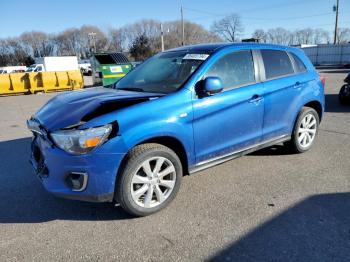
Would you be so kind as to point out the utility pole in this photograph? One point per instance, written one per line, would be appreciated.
(162, 36)
(92, 36)
(336, 9)
(183, 27)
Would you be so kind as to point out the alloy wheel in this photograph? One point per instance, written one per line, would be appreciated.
(153, 182)
(307, 130)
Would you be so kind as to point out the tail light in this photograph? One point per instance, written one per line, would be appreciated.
(323, 80)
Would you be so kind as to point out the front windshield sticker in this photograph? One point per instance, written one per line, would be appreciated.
(196, 56)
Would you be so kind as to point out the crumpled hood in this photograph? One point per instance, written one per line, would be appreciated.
(71, 108)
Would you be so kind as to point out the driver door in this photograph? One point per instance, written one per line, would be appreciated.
(231, 120)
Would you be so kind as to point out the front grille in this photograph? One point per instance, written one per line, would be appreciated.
(37, 154)
(40, 161)
(38, 130)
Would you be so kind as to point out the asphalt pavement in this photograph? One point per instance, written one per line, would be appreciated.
(267, 206)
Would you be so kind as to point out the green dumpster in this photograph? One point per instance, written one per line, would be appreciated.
(109, 67)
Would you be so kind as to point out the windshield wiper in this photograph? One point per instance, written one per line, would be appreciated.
(136, 89)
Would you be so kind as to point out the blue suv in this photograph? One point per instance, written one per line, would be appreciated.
(179, 112)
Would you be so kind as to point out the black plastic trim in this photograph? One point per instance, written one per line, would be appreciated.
(87, 198)
(221, 159)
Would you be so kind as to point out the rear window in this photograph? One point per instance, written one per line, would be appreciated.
(299, 65)
(277, 63)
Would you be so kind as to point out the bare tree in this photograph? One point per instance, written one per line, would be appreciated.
(147, 28)
(343, 35)
(115, 39)
(260, 34)
(229, 27)
(194, 34)
(150, 29)
(321, 36)
(304, 36)
(14, 52)
(101, 40)
(68, 42)
(39, 44)
(278, 36)
(75, 41)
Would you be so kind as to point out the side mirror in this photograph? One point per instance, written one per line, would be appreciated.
(212, 85)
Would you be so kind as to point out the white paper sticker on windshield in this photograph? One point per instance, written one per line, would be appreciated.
(196, 56)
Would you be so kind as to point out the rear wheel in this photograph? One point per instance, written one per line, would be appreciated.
(305, 131)
(149, 180)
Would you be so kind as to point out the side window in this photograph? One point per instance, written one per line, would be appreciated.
(300, 67)
(38, 69)
(235, 69)
(277, 63)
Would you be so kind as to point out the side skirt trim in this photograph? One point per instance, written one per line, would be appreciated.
(221, 159)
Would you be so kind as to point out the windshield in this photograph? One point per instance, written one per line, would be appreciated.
(163, 73)
(31, 68)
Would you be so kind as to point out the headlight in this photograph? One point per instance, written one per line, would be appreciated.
(81, 141)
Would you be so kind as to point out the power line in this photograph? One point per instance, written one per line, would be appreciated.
(287, 18)
(273, 6)
(203, 12)
(263, 19)
(270, 19)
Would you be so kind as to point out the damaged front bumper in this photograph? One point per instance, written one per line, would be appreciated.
(61, 172)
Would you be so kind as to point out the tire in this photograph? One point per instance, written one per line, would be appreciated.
(140, 189)
(297, 144)
(344, 97)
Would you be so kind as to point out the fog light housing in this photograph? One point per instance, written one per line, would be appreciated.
(77, 181)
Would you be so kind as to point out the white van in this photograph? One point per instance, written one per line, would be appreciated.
(54, 63)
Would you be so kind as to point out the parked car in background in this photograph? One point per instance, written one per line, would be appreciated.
(344, 93)
(85, 67)
(177, 113)
(54, 63)
(12, 69)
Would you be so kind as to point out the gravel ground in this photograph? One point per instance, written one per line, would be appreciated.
(267, 206)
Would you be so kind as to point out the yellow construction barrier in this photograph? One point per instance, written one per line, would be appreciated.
(49, 80)
(15, 83)
(24, 83)
(20, 82)
(63, 80)
(5, 84)
(76, 79)
(36, 83)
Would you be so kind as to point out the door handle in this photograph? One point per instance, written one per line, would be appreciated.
(298, 85)
(255, 98)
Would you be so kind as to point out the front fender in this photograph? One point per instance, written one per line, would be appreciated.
(178, 131)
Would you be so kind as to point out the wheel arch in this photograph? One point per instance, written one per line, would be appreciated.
(317, 106)
(314, 104)
(171, 142)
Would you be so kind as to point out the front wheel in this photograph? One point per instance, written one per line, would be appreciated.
(149, 179)
(305, 131)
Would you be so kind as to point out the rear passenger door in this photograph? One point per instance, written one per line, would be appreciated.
(281, 93)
